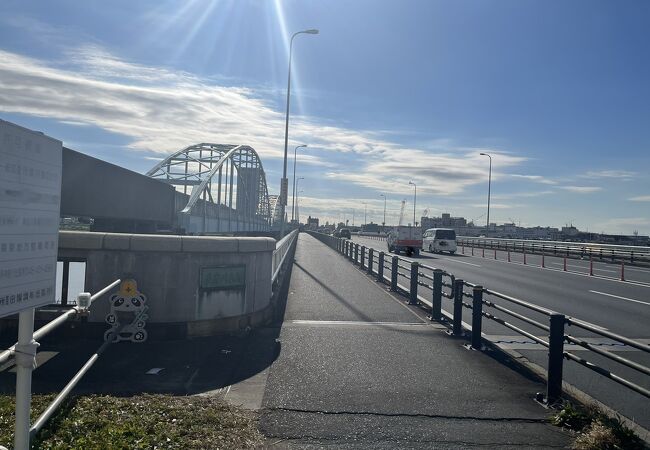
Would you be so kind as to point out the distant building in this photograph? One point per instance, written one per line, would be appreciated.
(312, 223)
(445, 221)
(370, 228)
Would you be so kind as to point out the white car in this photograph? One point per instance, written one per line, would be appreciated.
(438, 240)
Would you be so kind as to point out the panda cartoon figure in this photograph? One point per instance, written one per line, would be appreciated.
(127, 317)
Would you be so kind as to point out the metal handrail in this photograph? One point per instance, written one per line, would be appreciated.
(621, 252)
(608, 334)
(55, 323)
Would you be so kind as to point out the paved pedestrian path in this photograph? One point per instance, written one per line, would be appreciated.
(360, 369)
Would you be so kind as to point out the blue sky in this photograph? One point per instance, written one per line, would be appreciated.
(388, 92)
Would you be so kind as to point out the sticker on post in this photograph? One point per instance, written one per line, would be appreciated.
(128, 314)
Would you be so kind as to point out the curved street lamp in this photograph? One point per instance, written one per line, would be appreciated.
(487, 227)
(284, 183)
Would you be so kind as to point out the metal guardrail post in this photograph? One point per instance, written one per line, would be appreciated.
(477, 317)
(356, 253)
(457, 328)
(362, 261)
(436, 299)
(380, 268)
(413, 291)
(393, 273)
(555, 358)
(370, 261)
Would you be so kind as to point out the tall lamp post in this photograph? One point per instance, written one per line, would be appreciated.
(487, 227)
(296, 205)
(284, 184)
(415, 199)
(383, 224)
(297, 209)
(293, 201)
(365, 211)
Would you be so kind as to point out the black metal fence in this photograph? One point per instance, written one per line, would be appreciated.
(405, 276)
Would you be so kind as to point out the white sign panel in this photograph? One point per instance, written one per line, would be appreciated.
(30, 199)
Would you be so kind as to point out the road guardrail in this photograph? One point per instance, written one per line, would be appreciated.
(486, 304)
(615, 253)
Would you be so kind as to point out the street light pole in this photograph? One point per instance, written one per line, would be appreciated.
(284, 188)
(415, 199)
(365, 210)
(383, 224)
(487, 227)
(293, 201)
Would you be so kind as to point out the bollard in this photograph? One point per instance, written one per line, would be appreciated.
(436, 299)
(463, 248)
(508, 255)
(472, 249)
(543, 263)
(393, 274)
(362, 261)
(457, 329)
(477, 316)
(622, 271)
(524, 257)
(483, 253)
(591, 267)
(370, 261)
(413, 297)
(380, 268)
(555, 358)
(565, 263)
(495, 254)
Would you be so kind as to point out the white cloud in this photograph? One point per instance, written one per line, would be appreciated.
(163, 110)
(599, 174)
(582, 189)
(640, 198)
(535, 178)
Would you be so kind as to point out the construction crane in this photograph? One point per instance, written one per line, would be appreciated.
(401, 213)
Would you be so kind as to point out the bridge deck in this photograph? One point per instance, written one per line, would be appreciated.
(359, 368)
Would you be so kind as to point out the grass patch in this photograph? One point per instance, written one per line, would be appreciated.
(596, 431)
(138, 422)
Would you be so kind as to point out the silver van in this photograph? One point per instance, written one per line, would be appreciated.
(438, 240)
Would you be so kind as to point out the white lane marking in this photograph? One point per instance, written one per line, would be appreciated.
(622, 298)
(460, 262)
(355, 323)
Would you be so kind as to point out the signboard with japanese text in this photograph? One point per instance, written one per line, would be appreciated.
(223, 278)
(30, 198)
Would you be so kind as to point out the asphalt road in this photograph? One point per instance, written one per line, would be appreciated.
(360, 369)
(602, 299)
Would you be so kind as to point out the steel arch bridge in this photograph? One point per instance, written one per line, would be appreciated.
(215, 202)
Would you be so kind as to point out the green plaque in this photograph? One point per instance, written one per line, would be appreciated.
(223, 277)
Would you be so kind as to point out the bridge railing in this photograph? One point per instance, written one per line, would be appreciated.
(405, 277)
(614, 253)
(280, 253)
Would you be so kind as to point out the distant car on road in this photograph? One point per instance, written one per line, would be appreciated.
(438, 240)
(405, 239)
(345, 233)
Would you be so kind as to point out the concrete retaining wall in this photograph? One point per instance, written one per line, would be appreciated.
(167, 270)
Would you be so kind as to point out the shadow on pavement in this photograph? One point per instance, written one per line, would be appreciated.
(179, 367)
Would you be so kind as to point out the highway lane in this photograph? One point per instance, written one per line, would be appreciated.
(620, 307)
